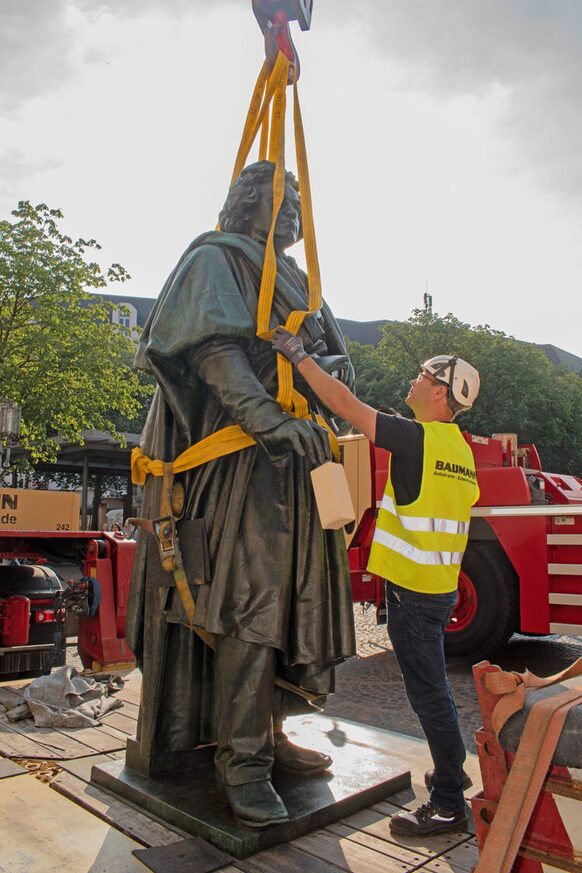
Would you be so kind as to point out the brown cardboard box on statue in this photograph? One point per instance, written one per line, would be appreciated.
(332, 495)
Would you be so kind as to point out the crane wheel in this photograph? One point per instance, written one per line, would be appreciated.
(487, 610)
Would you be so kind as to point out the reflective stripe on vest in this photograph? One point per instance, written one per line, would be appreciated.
(420, 545)
(440, 525)
(417, 555)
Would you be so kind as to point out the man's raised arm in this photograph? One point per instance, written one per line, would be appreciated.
(332, 393)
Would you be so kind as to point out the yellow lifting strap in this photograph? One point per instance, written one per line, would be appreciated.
(272, 90)
(217, 445)
(269, 96)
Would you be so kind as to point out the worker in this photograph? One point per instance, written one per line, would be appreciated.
(276, 587)
(420, 536)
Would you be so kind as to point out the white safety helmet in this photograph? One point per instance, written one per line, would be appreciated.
(461, 379)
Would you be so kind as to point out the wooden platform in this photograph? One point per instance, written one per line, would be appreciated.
(71, 824)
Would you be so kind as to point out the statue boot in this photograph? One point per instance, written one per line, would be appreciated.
(244, 675)
(288, 757)
(297, 760)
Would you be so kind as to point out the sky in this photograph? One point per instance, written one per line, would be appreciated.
(444, 141)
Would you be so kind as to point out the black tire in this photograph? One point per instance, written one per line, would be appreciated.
(494, 614)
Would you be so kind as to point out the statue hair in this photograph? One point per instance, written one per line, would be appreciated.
(244, 194)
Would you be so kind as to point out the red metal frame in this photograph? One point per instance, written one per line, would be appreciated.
(109, 559)
(524, 542)
(546, 839)
(101, 638)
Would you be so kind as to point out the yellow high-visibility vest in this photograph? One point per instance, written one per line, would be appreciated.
(420, 546)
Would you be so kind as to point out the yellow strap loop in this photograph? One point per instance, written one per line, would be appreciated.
(270, 94)
(277, 156)
(256, 115)
(224, 442)
(311, 254)
(217, 445)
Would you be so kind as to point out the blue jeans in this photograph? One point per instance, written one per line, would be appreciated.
(416, 624)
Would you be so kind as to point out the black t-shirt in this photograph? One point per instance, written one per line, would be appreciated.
(405, 439)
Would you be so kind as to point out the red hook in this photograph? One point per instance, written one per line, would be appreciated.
(274, 17)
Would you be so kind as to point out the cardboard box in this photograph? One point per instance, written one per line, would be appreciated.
(24, 509)
(332, 496)
(355, 453)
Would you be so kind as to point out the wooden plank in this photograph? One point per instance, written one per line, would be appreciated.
(99, 739)
(60, 742)
(117, 720)
(407, 856)
(347, 854)
(81, 767)
(129, 709)
(10, 768)
(131, 690)
(10, 694)
(130, 695)
(378, 825)
(14, 745)
(114, 811)
(461, 859)
(43, 832)
(112, 731)
(286, 858)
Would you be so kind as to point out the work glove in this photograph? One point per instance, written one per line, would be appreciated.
(299, 435)
(291, 347)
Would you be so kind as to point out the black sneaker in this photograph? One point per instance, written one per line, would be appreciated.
(428, 819)
(467, 781)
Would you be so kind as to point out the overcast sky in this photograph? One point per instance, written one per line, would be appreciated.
(444, 138)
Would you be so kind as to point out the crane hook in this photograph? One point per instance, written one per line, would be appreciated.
(273, 17)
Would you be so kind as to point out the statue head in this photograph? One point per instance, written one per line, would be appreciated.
(249, 206)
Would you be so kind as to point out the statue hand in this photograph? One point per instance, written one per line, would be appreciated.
(297, 435)
(291, 347)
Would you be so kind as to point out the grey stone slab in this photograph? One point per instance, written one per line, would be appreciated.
(10, 768)
(363, 773)
(81, 767)
(183, 857)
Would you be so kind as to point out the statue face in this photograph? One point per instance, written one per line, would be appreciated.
(288, 224)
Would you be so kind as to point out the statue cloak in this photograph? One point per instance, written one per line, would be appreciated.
(276, 578)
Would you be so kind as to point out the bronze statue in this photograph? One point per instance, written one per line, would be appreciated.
(276, 587)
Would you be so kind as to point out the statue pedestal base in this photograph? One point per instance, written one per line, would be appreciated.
(363, 773)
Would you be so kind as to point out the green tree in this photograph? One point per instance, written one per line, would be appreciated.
(521, 391)
(61, 358)
(376, 384)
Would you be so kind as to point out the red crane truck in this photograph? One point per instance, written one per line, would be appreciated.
(56, 579)
(522, 570)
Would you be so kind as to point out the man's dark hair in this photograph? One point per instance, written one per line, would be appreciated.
(235, 215)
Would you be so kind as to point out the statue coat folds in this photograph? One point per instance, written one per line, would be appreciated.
(276, 578)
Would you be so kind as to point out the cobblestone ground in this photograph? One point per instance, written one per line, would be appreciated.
(369, 687)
